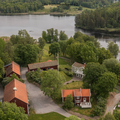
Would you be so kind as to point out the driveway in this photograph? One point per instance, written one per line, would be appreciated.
(41, 103)
(1, 92)
(111, 102)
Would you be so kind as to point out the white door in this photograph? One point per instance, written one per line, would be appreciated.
(84, 99)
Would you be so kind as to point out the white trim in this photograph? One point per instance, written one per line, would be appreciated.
(84, 99)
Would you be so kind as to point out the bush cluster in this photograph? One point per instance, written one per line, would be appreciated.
(100, 107)
(34, 76)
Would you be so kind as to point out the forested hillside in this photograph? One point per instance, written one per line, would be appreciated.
(22, 6)
(106, 17)
(19, 6)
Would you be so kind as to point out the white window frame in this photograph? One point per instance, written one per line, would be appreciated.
(77, 101)
(77, 97)
(84, 99)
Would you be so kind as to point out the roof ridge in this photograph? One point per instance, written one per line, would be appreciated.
(14, 86)
(15, 63)
(42, 62)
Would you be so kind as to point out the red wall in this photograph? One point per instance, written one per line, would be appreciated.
(12, 73)
(75, 98)
(54, 67)
(87, 99)
(20, 103)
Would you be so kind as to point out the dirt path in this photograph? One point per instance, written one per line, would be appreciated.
(111, 102)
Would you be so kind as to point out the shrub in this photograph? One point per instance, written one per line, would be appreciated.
(68, 73)
(116, 114)
(34, 76)
(68, 104)
(6, 80)
(100, 107)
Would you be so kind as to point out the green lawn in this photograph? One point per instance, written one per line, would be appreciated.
(83, 111)
(46, 47)
(73, 85)
(67, 78)
(46, 57)
(47, 116)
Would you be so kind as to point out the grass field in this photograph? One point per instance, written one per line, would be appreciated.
(72, 11)
(67, 78)
(46, 47)
(73, 85)
(47, 116)
(86, 111)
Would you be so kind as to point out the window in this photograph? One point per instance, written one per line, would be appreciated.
(77, 97)
(84, 99)
(77, 101)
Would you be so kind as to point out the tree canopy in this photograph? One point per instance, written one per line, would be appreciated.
(113, 48)
(51, 83)
(110, 64)
(68, 103)
(92, 73)
(10, 111)
(54, 49)
(1, 68)
(106, 17)
(25, 54)
(106, 83)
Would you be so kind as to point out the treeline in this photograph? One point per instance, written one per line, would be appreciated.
(85, 3)
(21, 6)
(107, 17)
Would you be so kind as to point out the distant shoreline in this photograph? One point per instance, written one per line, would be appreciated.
(41, 13)
(115, 32)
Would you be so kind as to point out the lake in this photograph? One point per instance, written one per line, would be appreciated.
(35, 24)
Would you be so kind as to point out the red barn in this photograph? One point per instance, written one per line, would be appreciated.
(12, 68)
(43, 65)
(16, 92)
(81, 97)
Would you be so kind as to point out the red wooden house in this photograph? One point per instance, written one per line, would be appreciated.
(16, 92)
(12, 68)
(43, 65)
(81, 97)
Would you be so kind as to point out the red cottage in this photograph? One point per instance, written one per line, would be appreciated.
(81, 97)
(43, 65)
(12, 68)
(15, 92)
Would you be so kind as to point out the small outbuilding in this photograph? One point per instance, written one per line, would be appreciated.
(16, 92)
(43, 65)
(12, 68)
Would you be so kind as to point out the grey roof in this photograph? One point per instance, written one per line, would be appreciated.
(43, 64)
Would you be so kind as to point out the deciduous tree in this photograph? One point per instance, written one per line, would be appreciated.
(63, 36)
(54, 49)
(103, 54)
(110, 64)
(41, 43)
(114, 49)
(10, 111)
(106, 83)
(68, 102)
(93, 71)
(51, 83)
(25, 54)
